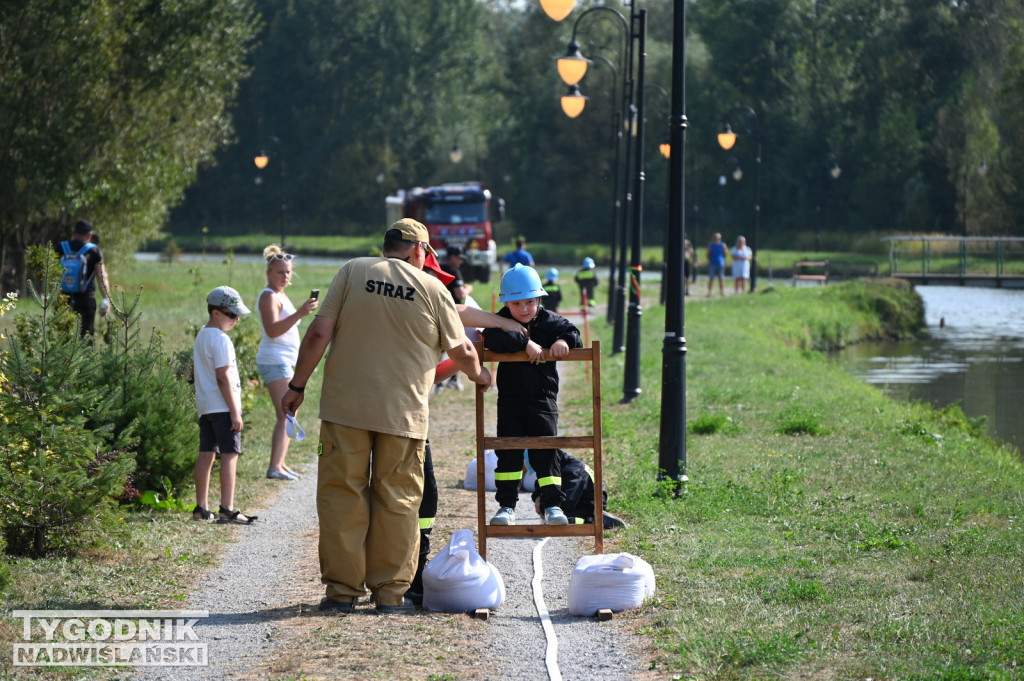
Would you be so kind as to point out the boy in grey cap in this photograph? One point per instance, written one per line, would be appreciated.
(219, 403)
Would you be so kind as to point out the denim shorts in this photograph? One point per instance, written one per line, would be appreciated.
(274, 372)
(715, 270)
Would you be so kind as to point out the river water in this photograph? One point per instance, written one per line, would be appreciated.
(972, 353)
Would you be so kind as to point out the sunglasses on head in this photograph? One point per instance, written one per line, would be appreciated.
(229, 314)
(280, 256)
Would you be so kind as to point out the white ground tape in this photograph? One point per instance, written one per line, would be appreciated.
(551, 656)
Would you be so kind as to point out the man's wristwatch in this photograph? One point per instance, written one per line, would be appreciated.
(296, 388)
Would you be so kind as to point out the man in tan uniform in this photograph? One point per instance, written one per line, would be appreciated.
(386, 322)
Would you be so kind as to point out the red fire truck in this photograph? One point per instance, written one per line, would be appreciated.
(456, 214)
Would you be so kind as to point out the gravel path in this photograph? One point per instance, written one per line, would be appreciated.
(246, 594)
(587, 649)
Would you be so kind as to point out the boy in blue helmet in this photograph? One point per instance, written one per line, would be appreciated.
(553, 290)
(528, 392)
(586, 279)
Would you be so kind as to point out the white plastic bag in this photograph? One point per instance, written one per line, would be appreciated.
(457, 579)
(616, 581)
(490, 463)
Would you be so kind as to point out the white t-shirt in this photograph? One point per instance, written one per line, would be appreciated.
(212, 350)
(285, 348)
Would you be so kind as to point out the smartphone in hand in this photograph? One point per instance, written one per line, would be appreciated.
(314, 294)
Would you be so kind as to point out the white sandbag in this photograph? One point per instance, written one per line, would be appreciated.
(529, 480)
(457, 579)
(490, 463)
(616, 581)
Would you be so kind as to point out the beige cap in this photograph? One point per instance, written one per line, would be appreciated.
(413, 231)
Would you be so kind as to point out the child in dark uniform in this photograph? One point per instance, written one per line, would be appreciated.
(528, 392)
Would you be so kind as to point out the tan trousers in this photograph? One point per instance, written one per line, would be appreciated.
(368, 498)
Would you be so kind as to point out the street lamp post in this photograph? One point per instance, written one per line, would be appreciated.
(631, 382)
(726, 139)
(672, 434)
(261, 162)
(572, 68)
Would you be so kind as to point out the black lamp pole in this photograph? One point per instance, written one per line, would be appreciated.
(617, 294)
(631, 382)
(672, 443)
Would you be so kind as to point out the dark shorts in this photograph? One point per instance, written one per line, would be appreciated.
(215, 434)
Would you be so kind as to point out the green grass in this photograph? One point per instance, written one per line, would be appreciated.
(829, 532)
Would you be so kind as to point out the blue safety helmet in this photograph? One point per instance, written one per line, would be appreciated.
(520, 283)
(588, 263)
(551, 274)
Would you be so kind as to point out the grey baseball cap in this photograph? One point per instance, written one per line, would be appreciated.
(225, 296)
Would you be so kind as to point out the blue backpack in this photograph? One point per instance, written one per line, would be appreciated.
(74, 279)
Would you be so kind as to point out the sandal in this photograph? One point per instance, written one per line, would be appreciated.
(200, 513)
(232, 517)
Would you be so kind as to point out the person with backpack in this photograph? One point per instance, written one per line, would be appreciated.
(82, 263)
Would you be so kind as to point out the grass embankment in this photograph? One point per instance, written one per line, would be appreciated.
(826, 531)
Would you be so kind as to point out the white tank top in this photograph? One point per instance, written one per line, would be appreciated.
(285, 348)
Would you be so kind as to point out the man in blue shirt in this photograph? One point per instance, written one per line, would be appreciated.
(520, 256)
(716, 263)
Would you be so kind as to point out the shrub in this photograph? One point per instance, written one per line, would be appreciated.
(59, 467)
(156, 401)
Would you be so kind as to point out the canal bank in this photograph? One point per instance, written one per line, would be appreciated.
(971, 353)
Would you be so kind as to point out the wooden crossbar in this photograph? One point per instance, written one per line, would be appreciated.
(592, 441)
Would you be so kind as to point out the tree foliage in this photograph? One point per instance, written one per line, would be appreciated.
(107, 108)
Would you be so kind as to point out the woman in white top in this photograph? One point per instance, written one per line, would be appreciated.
(279, 348)
(741, 255)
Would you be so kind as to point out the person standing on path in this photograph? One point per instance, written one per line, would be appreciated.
(586, 279)
(219, 403)
(554, 290)
(386, 322)
(279, 348)
(716, 263)
(80, 286)
(741, 255)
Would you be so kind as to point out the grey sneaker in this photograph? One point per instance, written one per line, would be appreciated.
(278, 475)
(553, 515)
(406, 607)
(505, 516)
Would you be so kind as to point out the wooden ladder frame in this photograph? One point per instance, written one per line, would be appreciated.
(592, 441)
